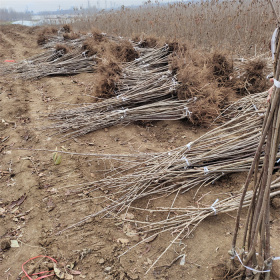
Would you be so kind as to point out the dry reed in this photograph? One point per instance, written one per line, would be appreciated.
(242, 27)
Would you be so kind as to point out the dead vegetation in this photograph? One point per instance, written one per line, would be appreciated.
(106, 81)
(110, 66)
(70, 36)
(253, 78)
(200, 76)
(239, 27)
(144, 41)
(110, 56)
(46, 34)
(67, 28)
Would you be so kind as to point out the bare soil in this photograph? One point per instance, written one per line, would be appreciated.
(32, 213)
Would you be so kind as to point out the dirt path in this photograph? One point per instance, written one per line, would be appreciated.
(32, 212)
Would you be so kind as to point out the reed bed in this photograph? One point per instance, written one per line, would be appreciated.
(239, 27)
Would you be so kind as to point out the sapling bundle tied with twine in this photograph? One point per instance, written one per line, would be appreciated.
(251, 256)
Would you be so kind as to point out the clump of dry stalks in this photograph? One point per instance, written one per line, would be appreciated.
(107, 77)
(200, 75)
(70, 36)
(144, 41)
(48, 34)
(252, 77)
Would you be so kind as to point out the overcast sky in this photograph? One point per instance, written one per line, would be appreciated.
(52, 5)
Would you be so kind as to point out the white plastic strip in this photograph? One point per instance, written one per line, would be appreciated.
(187, 162)
(276, 83)
(255, 107)
(273, 42)
(206, 170)
(122, 112)
(187, 112)
(174, 85)
(189, 145)
(121, 97)
(252, 269)
(183, 260)
(212, 206)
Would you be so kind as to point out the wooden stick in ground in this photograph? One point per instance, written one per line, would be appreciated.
(256, 240)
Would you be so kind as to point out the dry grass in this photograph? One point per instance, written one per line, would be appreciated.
(236, 26)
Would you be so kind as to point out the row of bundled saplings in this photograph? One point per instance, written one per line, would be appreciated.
(214, 78)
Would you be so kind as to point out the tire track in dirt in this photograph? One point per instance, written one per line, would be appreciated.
(32, 173)
(16, 44)
(21, 179)
(21, 170)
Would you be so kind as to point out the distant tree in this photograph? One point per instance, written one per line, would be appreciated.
(12, 15)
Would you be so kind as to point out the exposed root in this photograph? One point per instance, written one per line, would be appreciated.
(45, 35)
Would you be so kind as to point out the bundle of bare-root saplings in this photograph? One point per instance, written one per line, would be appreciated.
(171, 82)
